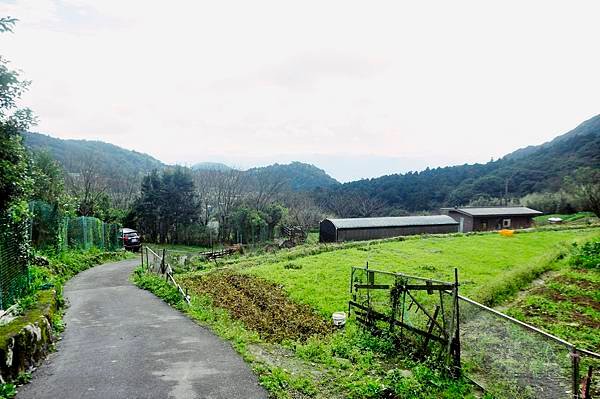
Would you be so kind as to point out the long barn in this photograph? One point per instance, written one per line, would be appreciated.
(359, 229)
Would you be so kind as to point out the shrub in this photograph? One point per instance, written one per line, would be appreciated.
(587, 256)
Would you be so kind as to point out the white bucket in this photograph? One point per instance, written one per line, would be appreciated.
(339, 318)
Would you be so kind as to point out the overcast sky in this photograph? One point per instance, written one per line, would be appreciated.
(359, 88)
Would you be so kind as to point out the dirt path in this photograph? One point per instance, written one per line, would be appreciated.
(123, 342)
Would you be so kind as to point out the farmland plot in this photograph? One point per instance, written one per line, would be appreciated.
(348, 362)
(491, 267)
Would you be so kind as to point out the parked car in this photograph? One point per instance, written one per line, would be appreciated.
(131, 239)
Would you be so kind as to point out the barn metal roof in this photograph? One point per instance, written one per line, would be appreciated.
(497, 211)
(401, 221)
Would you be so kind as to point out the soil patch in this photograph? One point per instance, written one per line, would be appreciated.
(585, 284)
(261, 305)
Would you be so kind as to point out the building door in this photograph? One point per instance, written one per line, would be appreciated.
(461, 227)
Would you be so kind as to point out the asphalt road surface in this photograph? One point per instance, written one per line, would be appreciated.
(123, 342)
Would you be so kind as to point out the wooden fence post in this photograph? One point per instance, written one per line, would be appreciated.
(457, 364)
(575, 365)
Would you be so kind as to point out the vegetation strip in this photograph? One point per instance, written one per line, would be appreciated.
(347, 363)
(26, 340)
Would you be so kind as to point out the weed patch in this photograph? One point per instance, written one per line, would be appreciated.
(261, 305)
(587, 256)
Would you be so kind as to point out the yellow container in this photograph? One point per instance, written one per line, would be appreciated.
(506, 233)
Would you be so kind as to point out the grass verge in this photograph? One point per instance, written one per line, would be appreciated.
(347, 363)
(46, 280)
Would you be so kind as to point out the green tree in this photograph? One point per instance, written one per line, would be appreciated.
(15, 182)
(273, 215)
(248, 224)
(586, 186)
(48, 179)
(167, 207)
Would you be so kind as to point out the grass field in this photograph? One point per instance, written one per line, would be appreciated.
(349, 362)
(575, 218)
(491, 267)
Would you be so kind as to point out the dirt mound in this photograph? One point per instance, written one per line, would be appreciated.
(262, 306)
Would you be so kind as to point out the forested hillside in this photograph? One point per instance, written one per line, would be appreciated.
(110, 158)
(299, 176)
(101, 173)
(534, 169)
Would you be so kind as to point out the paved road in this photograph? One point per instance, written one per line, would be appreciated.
(123, 342)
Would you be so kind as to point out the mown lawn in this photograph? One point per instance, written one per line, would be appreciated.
(491, 267)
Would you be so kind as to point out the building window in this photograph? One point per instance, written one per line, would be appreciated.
(505, 222)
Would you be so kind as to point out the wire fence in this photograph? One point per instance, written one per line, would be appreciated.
(14, 273)
(511, 359)
(157, 263)
(507, 358)
(48, 229)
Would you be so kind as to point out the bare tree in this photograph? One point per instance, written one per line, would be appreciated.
(368, 206)
(227, 192)
(303, 211)
(347, 205)
(87, 185)
(265, 188)
(205, 188)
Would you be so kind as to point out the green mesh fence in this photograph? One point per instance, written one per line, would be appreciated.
(48, 229)
(51, 230)
(46, 225)
(14, 274)
(86, 232)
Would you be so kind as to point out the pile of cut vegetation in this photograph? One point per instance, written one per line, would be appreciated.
(261, 305)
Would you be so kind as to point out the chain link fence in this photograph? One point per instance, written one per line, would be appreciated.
(51, 230)
(14, 252)
(47, 230)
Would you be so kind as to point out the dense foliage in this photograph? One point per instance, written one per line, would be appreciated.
(587, 256)
(167, 205)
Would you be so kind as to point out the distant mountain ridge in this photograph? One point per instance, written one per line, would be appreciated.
(118, 164)
(590, 126)
(111, 159)
(527, 170)
(300, 176)
(211, 166)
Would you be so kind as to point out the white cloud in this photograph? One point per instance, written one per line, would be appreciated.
(193, 80)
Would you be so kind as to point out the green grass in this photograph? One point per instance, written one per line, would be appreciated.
(574, 218)
(349, 363)
(566, 306)
(491, 267)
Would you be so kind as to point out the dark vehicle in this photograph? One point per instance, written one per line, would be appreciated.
(131, 239)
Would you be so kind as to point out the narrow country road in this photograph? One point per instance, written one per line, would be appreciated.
(123, 342)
